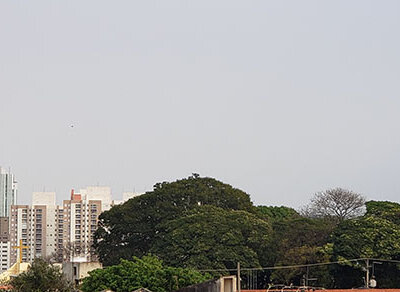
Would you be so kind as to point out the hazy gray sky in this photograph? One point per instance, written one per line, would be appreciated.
(278, 98)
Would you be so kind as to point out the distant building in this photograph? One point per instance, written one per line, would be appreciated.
(4, 244)
(8, 192)
(81, 214)
(52, 222)
(97, 193)
(64, 233)
(40, 227)
(44, 198)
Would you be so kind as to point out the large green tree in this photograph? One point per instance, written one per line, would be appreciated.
(147, 272)
(212, 237)
(130, 229)
(375, 235)
(41, 276)
(298, 241)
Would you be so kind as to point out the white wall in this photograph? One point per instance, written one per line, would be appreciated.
(98, 193)
(44, 198)
(129, 195)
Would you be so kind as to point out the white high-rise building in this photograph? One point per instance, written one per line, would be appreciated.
(40, 227)
(81, 215)
(8, 192)
(63, 233)
(96, 193)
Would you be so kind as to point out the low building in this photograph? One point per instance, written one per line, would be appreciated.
(223, 284)
(76, 271)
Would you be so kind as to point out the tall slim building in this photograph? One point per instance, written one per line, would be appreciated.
(8, 192)
(81, 214)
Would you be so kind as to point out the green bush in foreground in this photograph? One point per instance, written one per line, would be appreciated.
(147, 272)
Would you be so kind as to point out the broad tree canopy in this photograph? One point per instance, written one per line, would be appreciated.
(130, 229)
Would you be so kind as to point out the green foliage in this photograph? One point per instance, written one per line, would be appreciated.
(130, 229)
(147, 272)
(297, 232)
(211, 237)
(41, 276)
(368, 236)
(300, 256)
(365, 237)
(298, 241)
(386, 210)
(203, 223)
(277, 213)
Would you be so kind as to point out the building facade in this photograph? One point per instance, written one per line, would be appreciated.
(8, 192)
(5, 245)
(81, 215)
(62, 233)
(38, 228)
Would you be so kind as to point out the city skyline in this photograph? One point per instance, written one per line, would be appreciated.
(60, 196)
(125, 194)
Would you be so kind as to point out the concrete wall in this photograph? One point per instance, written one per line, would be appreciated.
(102, 194)
(77, 271)
(44, 198)
(223, 284)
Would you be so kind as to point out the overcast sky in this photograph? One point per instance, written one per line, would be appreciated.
(278, 98)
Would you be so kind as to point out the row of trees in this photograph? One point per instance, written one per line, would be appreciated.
(201, 223)
(160, 239)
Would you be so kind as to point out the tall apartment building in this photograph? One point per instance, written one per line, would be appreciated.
(81, 214)
(5, 245)
(38, 226)
(8, 192)
(64, 233)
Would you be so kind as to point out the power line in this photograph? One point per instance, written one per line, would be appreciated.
(301, 266)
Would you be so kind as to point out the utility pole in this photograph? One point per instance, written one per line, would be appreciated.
(307, 274)
(367, 273)
(238, 277)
